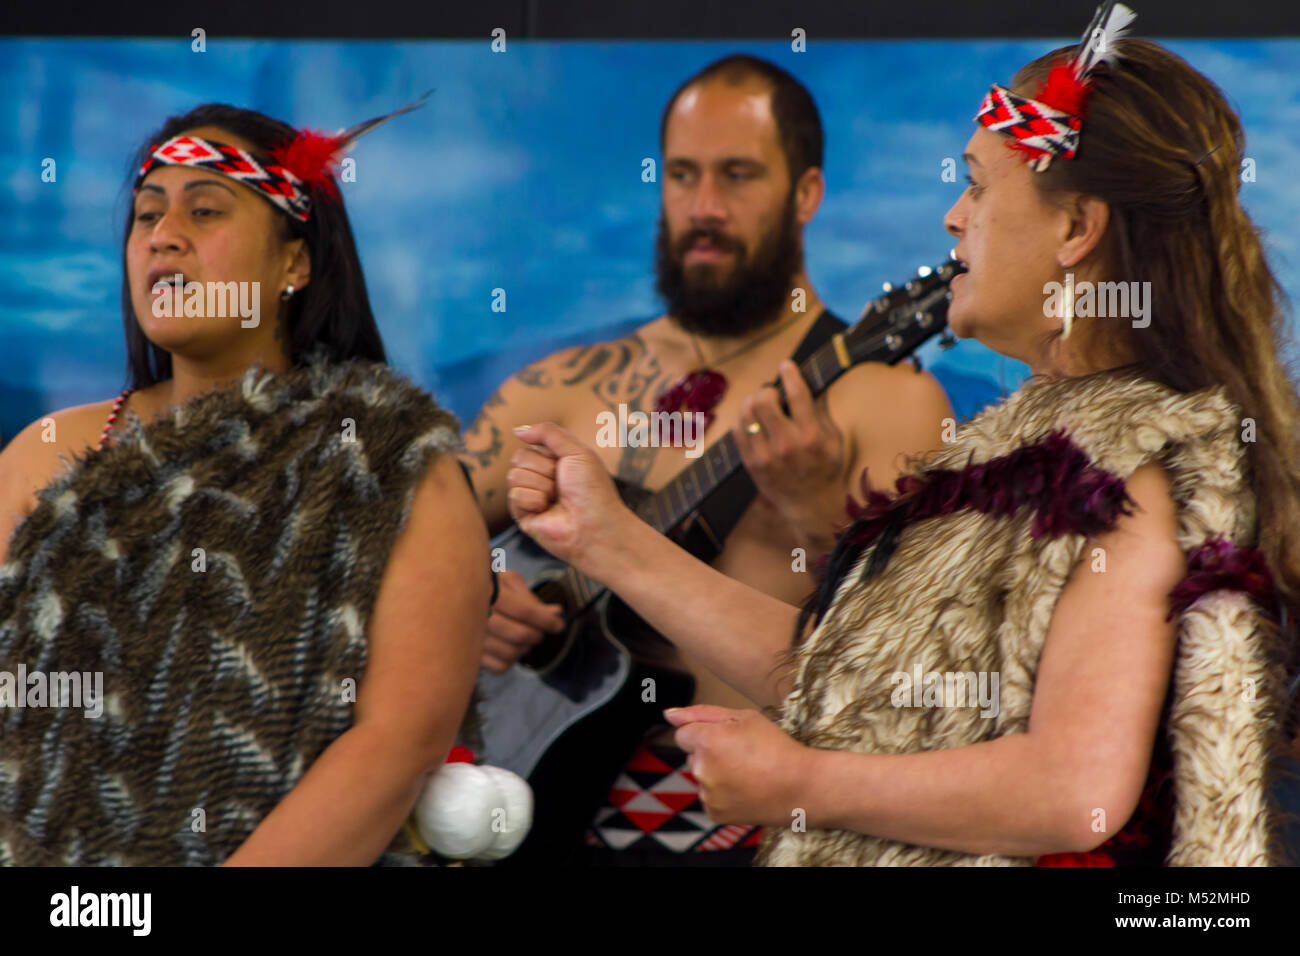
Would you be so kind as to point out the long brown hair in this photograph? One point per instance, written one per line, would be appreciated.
(1163, 148)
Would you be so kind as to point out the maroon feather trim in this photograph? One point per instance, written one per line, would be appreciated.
(1220, 564)
(1052, 476)
(1068, 494)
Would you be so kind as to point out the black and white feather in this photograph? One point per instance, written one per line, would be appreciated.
(1110, 23)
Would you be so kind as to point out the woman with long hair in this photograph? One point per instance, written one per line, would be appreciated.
(1063, 640)
(246, 598)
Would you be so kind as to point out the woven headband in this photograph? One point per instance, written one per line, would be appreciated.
(1038, 128)
(288, 176)
(1049, 123)
(263, 174)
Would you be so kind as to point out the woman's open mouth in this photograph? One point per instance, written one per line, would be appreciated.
(164, 280)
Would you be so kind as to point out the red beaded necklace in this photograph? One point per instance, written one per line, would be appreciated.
(108, 425)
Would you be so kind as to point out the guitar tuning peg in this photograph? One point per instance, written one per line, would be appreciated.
(887, 286)
(923, 271)
(946, 339)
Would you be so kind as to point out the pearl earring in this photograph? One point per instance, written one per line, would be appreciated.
(287, 293)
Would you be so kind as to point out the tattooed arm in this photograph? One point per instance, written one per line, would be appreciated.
(600, 376)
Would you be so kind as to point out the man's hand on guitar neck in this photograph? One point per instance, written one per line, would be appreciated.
(869, 425)
(799, 460)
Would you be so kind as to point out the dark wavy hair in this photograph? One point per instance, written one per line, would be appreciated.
(332, 312)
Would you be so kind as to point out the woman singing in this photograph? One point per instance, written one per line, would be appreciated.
(1059, 641)
(261, 562)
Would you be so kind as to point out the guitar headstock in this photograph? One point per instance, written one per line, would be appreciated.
(895, 323)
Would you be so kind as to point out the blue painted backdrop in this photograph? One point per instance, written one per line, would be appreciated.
(523, 172)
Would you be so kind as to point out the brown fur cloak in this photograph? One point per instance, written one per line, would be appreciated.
(999, 518)
(218, 567)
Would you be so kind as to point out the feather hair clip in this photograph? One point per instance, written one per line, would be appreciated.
(1048, 124)
(313, 157)
(288, 176)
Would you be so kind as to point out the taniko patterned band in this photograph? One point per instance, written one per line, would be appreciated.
(262, 174)
(1035, 125)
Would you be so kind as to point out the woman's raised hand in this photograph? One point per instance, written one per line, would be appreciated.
(562, 497)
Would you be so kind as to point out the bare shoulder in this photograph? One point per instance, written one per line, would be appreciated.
(546, 388)
(64, 433)
(589, 366)
(1144, 543)
(443, 509)
(874, 397)
(39, 452)
(1152, 489)
(563, 387)
(1154, 519)
(893, 382)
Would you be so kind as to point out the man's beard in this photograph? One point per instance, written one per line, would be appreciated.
(751, 297)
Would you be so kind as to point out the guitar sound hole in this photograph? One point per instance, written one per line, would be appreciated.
(551, 647)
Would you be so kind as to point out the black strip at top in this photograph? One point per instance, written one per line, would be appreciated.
(658, 19)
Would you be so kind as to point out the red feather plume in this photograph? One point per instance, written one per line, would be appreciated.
(1063, 91)
(313, 158)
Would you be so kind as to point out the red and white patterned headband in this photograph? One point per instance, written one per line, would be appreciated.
(264, 174)
(286, 177)
(1038, 128)
(1049, 123)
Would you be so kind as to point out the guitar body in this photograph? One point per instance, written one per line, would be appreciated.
(571, 714)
